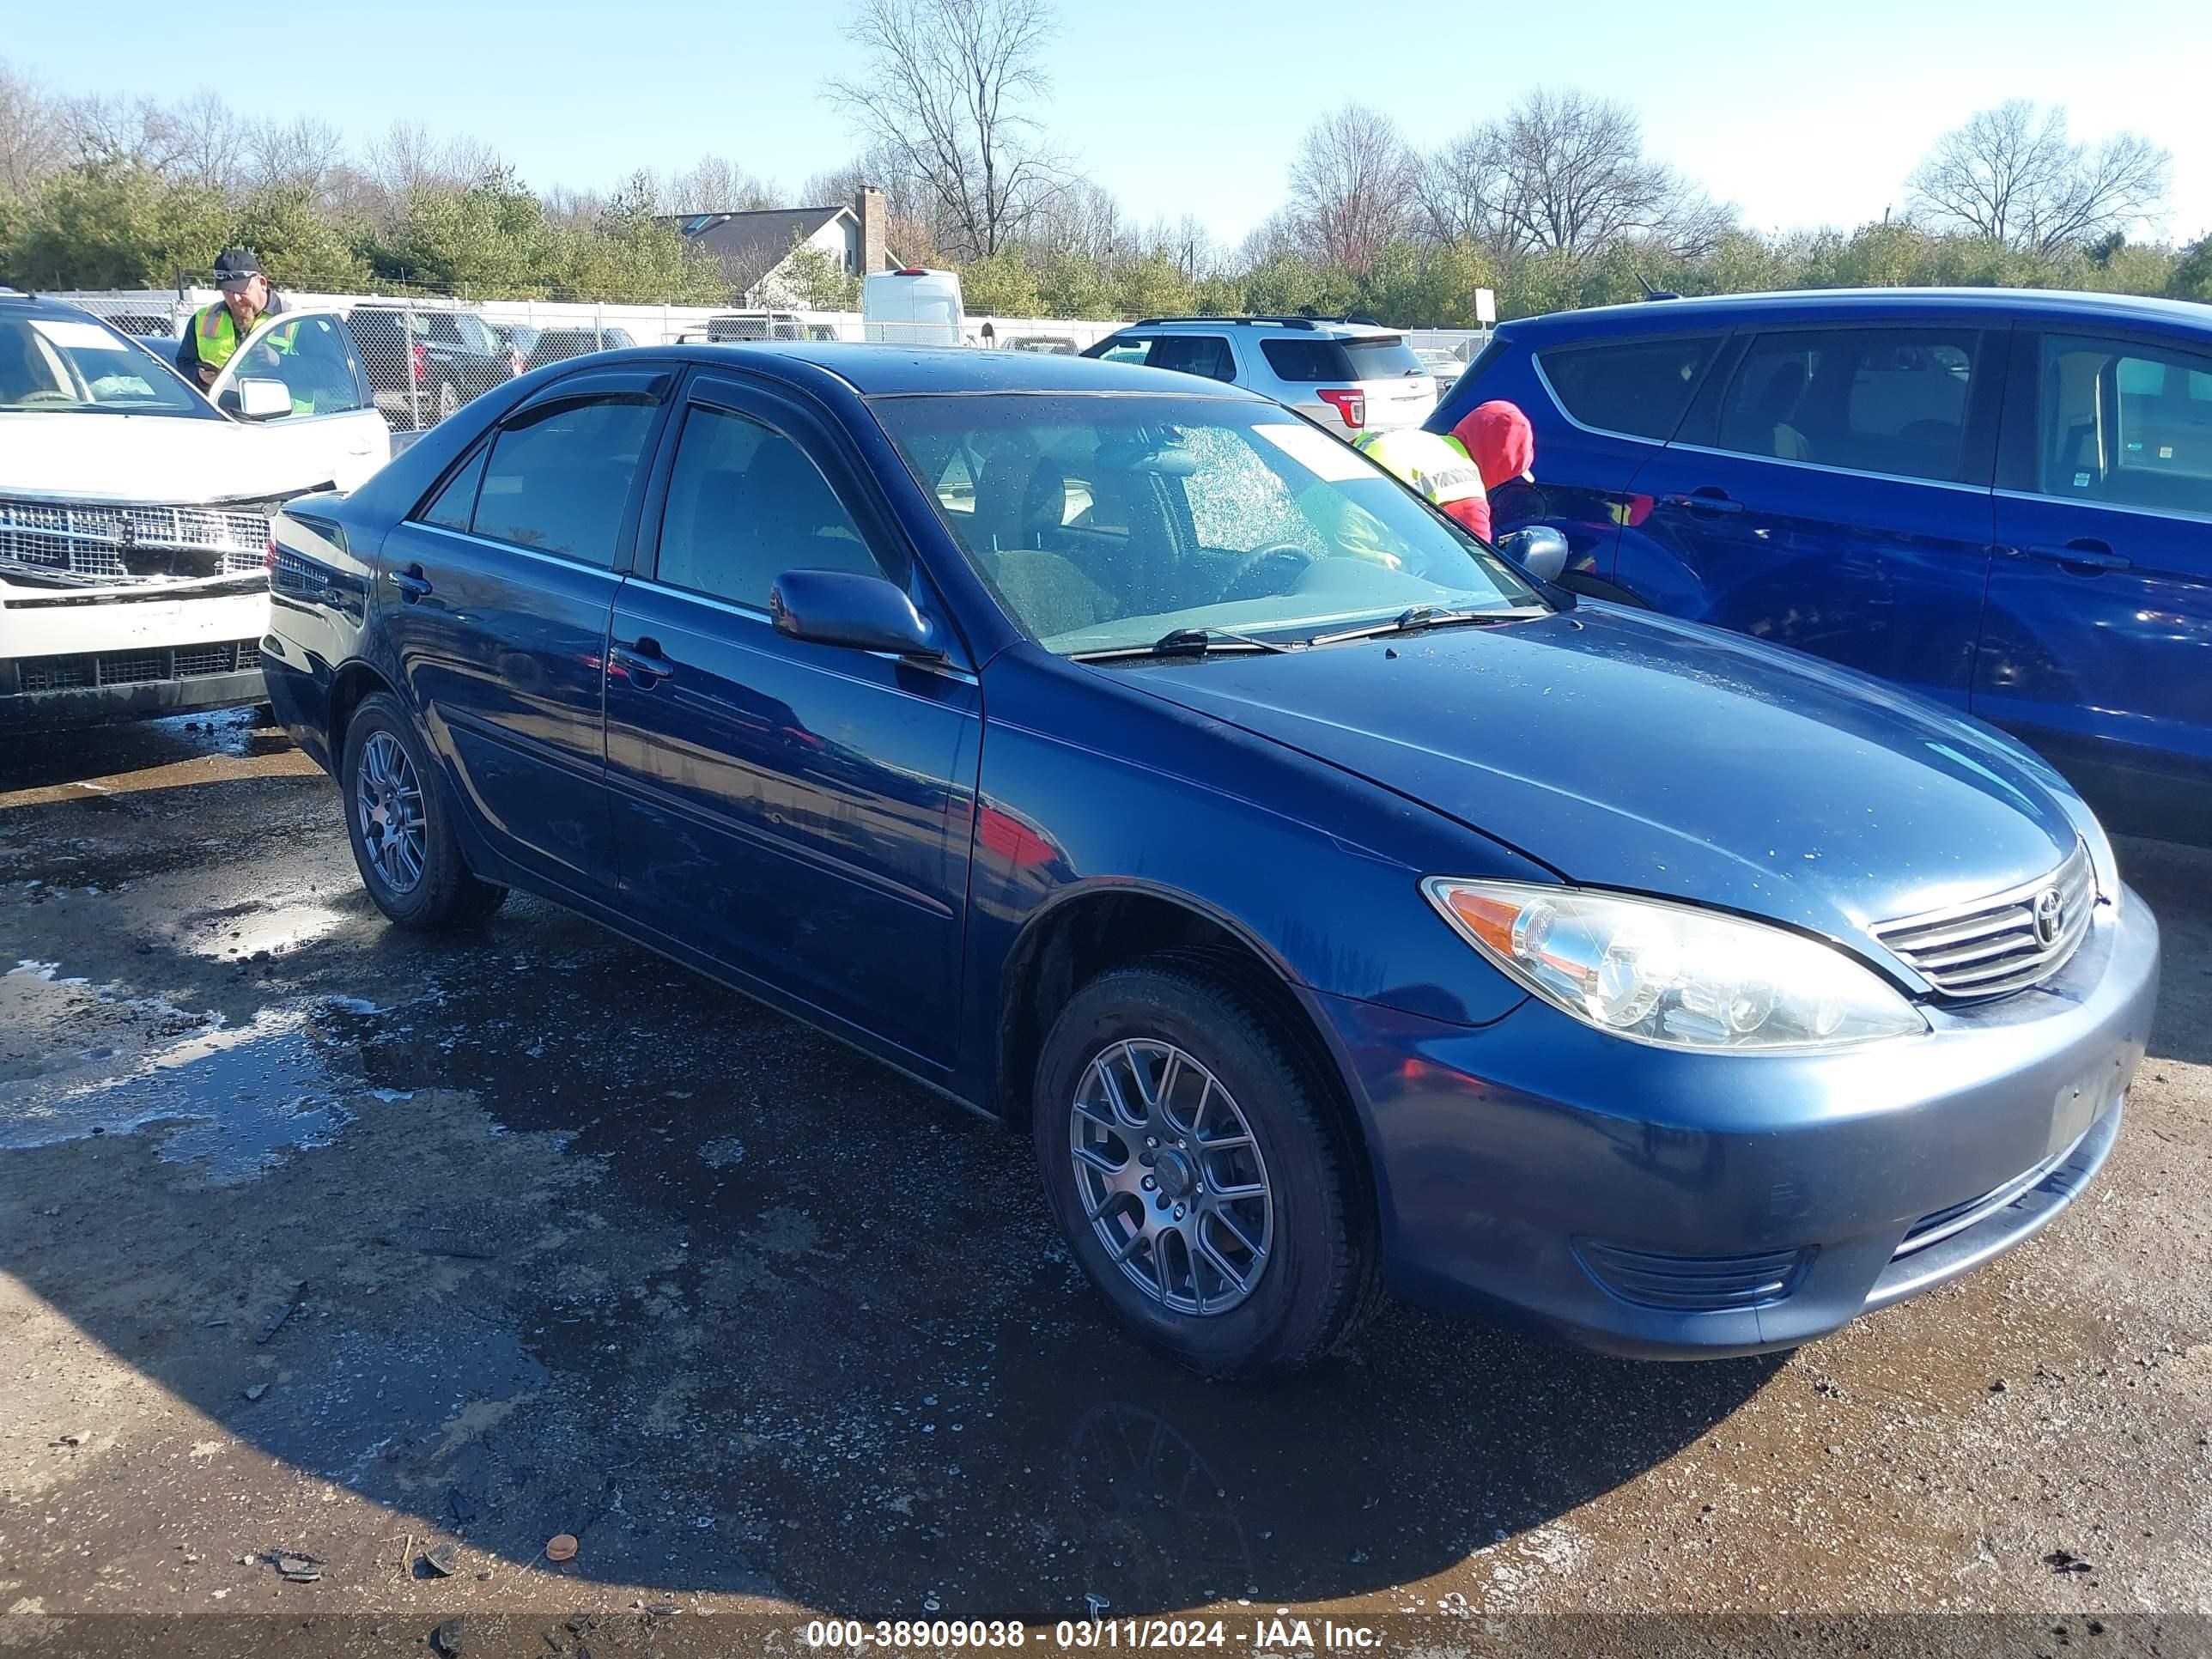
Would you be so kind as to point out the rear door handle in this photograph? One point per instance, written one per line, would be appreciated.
(2083, 557)
(1704, 500)
(412, 584)
(642, 661)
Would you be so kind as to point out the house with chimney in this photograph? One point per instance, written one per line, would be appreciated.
(754, 249)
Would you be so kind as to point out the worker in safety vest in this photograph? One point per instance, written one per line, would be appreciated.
(217, 330)
(1437, 468)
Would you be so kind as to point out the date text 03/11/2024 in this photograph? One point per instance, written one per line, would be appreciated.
(1077, 1635)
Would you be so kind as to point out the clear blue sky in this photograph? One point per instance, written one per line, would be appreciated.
(1801, 114)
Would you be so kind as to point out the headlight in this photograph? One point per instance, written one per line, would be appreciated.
(1672, 974)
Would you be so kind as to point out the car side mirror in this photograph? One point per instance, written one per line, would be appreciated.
(861, 613)
(262, 400)
(1537, 548)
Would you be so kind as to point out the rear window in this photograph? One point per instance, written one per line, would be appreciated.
(1639, 387)
(1313, 362)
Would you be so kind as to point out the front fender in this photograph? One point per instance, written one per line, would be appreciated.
(1317, 871)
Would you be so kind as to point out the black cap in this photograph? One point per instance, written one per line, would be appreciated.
(234, 262)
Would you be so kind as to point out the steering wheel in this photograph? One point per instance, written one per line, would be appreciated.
(33, 399)
(1259, 559)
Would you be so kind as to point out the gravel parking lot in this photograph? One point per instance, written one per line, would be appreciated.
(317, 1238)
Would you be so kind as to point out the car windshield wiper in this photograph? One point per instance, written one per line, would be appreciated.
(1431, 615)
(1184, 642)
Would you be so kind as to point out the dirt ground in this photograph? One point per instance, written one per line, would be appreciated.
(316, 1238)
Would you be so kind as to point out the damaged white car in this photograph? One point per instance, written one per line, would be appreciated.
(134, 509)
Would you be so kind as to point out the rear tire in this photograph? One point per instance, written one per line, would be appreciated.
(399, 822)
(449, 400)
(1247, 1285)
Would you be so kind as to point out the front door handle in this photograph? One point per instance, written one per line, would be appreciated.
(2084, 558)
(1704, 500)
(412, 584)
(642, 662)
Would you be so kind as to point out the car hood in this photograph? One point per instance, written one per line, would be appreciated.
(166, 459)
(1631, 752)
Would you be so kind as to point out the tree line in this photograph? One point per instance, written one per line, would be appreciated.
(1554, 203)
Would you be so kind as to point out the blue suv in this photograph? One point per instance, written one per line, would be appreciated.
(2000, 500)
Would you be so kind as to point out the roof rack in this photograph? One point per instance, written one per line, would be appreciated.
(1280, 322)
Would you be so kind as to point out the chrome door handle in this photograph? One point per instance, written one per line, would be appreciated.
(642, 661)
(2084, 558)
(1703, 500)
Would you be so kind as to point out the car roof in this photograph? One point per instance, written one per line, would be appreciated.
(1844, 304)
(13, 304)
(884, 370)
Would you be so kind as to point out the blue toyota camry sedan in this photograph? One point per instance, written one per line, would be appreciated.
(1335, 904)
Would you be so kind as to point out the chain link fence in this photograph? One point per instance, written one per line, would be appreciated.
(428, 356)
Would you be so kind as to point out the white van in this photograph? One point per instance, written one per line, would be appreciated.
(913, 307)
(134, 510)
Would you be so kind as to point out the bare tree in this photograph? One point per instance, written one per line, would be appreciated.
(1573, 177)
(2015, 175)
(32, 141)
(1461, 187)
(1353, 187)
(408, 158)
(947, 92)
(1083, 220)
(304, 155)
(714, 183)
(206, 141)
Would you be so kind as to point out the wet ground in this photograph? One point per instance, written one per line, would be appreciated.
(317, 1237)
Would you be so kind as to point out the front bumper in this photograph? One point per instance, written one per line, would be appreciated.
(83, 656)
(1669, 1205)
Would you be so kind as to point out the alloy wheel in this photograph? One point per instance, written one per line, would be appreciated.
(388, 807)
(1171, 1176)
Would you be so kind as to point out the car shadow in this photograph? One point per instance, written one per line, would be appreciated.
(2176, 882)
(528, 1231)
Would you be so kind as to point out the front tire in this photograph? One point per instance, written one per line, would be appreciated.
(1200, 1176)
(400, 825)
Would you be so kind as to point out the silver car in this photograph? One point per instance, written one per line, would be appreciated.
(1347, 374)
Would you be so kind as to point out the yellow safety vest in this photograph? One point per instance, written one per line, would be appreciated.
(1438, 467)
(215, 334)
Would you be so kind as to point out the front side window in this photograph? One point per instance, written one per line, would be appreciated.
(1106, 522)
(312, 358)
(1124, 349)
(57, 365)
(745, 504)
(1640, 388)
(2125, 423)
(560, 474)
(1888, 400)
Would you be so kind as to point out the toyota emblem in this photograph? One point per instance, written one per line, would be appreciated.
(2049, 917)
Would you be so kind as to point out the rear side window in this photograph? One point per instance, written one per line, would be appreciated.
(2125, 422)
(745, 504)
(1321, 361)
(454, 508)
(1639, 388)
(1194, 354)
(1890, 400)
(560, 475)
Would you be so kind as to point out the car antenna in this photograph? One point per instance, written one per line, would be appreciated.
(1651, 292)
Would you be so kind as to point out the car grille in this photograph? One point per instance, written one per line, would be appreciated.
(90, 541)
(95, 668)
(1693, 1284)
(1940, 1225)
(1993, 946)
